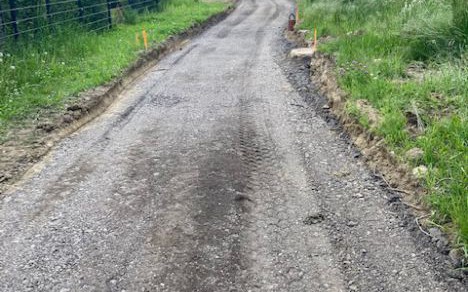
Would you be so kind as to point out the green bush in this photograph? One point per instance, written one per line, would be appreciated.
(460, 17)
(130, 16)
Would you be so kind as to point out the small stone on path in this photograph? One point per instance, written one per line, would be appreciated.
(301, 53)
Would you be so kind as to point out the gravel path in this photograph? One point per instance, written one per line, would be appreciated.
(207, 176)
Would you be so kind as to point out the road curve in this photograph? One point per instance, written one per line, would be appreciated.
(207, 176)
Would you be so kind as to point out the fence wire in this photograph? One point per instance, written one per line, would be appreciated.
(20, 17)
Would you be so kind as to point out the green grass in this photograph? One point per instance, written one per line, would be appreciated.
(408, 57)
(40, 74)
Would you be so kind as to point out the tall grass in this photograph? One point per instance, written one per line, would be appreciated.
(40, 73)
(403, 55)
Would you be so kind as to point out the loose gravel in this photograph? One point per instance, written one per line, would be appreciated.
(212, 173)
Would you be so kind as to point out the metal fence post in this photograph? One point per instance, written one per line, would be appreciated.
(154, 5)
(109, 16)
(80, 10)
(14, 22)
(47, 5)
(2, 27)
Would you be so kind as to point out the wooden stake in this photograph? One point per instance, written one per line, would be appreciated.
(145, 39)
(297, 14)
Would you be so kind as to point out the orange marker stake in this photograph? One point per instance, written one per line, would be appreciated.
(145, 39)
(297, 14)
(315, 38)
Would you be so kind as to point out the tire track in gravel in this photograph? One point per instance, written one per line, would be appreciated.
(234, 174)
(220, 176)
(256, 146)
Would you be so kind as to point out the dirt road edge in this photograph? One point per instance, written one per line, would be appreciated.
(378, 156)
(29, 143)
(395, 172)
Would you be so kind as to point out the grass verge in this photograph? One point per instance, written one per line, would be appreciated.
(408, 59)
(42, 73)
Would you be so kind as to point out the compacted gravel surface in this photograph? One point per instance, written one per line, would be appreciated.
(212, 174)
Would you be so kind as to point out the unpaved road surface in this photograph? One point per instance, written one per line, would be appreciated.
(208, 176)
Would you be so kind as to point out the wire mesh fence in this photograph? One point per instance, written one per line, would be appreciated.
(28, 18)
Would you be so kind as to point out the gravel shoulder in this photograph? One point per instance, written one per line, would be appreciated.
(213, 173)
